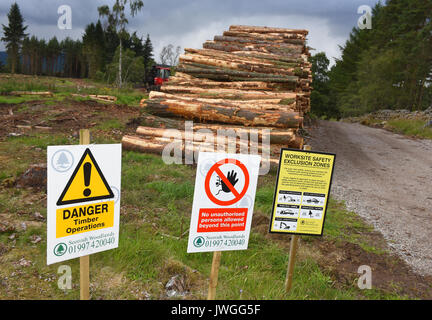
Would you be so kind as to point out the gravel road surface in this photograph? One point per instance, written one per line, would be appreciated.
(386, 178)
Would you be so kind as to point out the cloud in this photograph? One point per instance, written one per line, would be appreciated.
(320, 36)
(189, 23)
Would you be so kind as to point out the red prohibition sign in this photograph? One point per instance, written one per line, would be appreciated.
(215, 168)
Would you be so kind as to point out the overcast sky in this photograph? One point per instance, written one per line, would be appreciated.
(189, 23)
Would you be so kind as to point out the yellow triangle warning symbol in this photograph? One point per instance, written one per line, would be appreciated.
(87, 183)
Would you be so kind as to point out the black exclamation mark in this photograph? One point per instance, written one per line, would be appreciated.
(87, 175)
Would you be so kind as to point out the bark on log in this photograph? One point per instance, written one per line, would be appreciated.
(266, 29)
(283, 49)
(103, 98)
(254, 58)
(240, 103)
(230, 47)
(239, 85)
(276, 136)
(301, 59)
(210, 84)
(228, 74)
(228, 93)
(231, 104)
(285, 137)
(233, 115)
(217, 143)
(233, 64)
(265, 36)
(140, 144)
(155, 146)
(31, 93)
(250, 40)
(221, 77)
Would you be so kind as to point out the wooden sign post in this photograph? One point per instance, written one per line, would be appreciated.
(222, 208)
(291, 262)
(85, 261)
(82, 180)
(214, 275)
(301, 197)
(293, 252)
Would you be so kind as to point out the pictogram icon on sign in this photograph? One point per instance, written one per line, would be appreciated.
(87, 183)
(230, 178)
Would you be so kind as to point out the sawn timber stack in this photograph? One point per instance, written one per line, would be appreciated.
(248, 77)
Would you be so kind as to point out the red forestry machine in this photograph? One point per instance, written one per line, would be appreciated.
(159, 75)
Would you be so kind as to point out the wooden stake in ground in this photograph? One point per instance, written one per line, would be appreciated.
(291, 262)
(85, 261)
(292, 253)
(214, 275)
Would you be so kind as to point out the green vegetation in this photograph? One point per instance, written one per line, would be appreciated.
(342, 225)
(62, 89)
(92, 57)
(110, 124)
(386, 67)
(13, 36)
(155, 217)
(116, 18)
(410, 127)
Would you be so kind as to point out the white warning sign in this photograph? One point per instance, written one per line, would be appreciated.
(83, 200)
(223, 204)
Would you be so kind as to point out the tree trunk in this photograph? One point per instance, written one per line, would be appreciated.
(224, 114)
(286, 137)
(210, 84)
(157, 146)
(266, 36)
(234, 74)
(266, 30)
(234, 64)
(227, 93)
(120, 64)
(249, 40)
(210, 99)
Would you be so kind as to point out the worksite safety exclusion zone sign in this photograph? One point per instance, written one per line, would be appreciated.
(224, 196)
(83, 200)
(302, 192)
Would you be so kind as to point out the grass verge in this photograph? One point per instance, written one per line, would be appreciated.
(410, 127)
(155, 217)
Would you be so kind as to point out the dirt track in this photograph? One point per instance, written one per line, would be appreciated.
(387, 179)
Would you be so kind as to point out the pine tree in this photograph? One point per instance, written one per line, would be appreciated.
(26, 55)
(41, 57)
(148, 57)
(320, 97)
(388, 66)
(14, 34)
(135, 44)
(118, 21)
(53, 53)
(94, 48)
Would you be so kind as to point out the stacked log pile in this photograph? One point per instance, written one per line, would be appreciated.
(256, 77)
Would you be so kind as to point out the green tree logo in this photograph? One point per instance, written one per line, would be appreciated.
(198, 242)
(60, 249)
